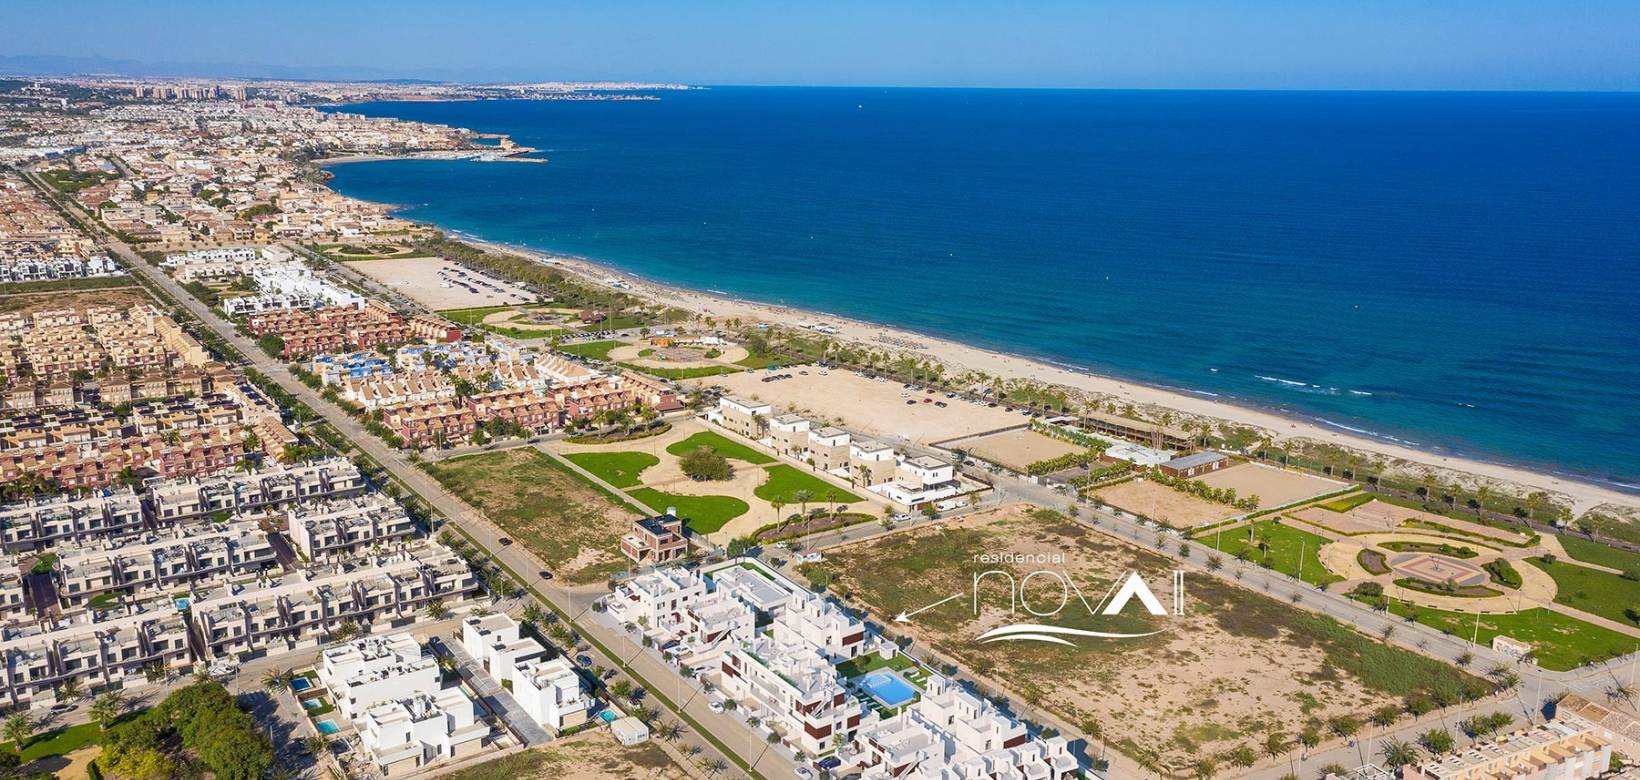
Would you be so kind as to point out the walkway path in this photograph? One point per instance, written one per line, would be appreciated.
(496, 698)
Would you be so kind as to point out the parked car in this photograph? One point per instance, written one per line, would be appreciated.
(716, 706)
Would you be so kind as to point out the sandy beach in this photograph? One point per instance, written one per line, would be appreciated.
(1582, 495)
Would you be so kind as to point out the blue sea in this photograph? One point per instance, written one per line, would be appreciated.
(1454, 271)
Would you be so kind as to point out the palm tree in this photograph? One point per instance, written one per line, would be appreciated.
(108, 708)
(803, 497)
(70, 689)
(316, 746)
(1397, 753)
(276, 680)
(716, 766)
(1275, 744)
(778, 504)
(18, 729)
(436, 610)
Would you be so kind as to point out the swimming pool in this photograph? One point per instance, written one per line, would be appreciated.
(328, 727)
(312, 704)
(608, 716)
(888, 688)
(301, 684)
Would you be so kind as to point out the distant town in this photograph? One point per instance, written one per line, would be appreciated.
(291, 486)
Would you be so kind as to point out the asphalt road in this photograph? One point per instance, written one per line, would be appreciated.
(1590, 681)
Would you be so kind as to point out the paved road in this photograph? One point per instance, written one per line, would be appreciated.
(1590, 681)
(483, 534)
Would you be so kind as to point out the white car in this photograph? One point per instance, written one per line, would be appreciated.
(901, 517)
(715, 706)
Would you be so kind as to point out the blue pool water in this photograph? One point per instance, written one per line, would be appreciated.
(888, 687)
(608, 716)
(301, 684)
(1450, 271)
(328, 727)
(312, 704)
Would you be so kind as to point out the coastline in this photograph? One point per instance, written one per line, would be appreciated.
(1583, 494)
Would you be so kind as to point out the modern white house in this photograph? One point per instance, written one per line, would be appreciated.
(547, 688)
(369, 670)
(412, 731)
(392, 690)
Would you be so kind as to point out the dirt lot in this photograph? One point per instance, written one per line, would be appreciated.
(591, 755)
(1163, 504)
(418, 277)
(1236, 665)
(573, 528)
(876, 407)
(1015, 449)
(28, 303)
(1273, 486)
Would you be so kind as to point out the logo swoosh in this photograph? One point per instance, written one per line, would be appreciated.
(1039, 633)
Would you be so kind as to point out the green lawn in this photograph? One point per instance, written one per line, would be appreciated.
(1561, 642)
(702, 514)
(1347, 503)
(472, 316)
(58, 742)
(722, 445)
(761, 361)
(621, 469)
(597, 350)
(854, 667)
(680, 373)
(1595, 592)
(1285, 544)
(785, 481)
(1598, 554)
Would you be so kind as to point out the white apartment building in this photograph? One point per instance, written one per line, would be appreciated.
(131, 567)
(256, 491)
(326, 528)
(547, 688)
(43, 523)
(392, 690)
(794, 689)
(656, 600)
(117, 651)
(13, 605)
(951, 734)
(301, 608)
(369, 670)
(908, 481)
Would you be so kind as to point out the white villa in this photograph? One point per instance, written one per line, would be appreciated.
(547, 688)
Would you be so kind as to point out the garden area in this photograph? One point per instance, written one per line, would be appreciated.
(1273, 545)
(1611, 596)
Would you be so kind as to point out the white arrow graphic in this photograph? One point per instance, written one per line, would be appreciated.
(905, 617)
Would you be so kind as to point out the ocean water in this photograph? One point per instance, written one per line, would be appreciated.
(1453, 271)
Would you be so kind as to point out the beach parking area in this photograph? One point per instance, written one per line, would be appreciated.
(878, 408)
(441, 284)
(1014, 449)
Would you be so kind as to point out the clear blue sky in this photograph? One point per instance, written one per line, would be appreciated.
(1281, 44)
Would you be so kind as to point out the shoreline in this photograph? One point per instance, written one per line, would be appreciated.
(1281, 426)
(1583, 493)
